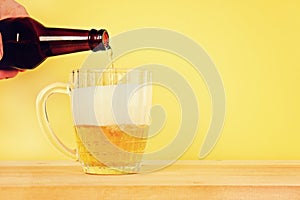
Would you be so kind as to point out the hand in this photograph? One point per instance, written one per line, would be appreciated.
(10, 8)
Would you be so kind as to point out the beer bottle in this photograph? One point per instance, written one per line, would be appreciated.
(27, 43)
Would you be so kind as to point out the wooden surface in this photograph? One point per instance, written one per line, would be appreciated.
(184, 180)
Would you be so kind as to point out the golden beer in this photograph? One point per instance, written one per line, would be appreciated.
(113, 149)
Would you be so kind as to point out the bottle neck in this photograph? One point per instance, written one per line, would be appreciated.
(57, 41)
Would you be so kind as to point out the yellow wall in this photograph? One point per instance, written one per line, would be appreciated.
(254, 44)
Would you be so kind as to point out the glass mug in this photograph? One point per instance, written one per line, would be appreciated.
(111, 114)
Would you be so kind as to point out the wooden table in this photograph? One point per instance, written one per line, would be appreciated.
(183, 180)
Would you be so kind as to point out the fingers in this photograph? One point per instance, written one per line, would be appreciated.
(10, 8)
(5, 74)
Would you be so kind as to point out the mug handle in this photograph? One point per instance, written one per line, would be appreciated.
(41, 108)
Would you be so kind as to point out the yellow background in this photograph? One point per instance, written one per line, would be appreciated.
(254, 44)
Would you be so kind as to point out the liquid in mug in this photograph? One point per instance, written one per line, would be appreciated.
(93, 146)
(102, 149)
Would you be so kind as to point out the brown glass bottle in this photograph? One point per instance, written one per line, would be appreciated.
(27, 43)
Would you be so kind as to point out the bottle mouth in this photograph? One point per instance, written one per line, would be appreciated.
(105, 40)
(99, 40)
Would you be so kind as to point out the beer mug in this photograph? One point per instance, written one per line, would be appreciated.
(111, 114)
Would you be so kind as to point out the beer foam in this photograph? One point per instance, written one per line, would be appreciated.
(112, 104)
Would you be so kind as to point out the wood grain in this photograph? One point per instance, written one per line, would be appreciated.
(183, 180)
